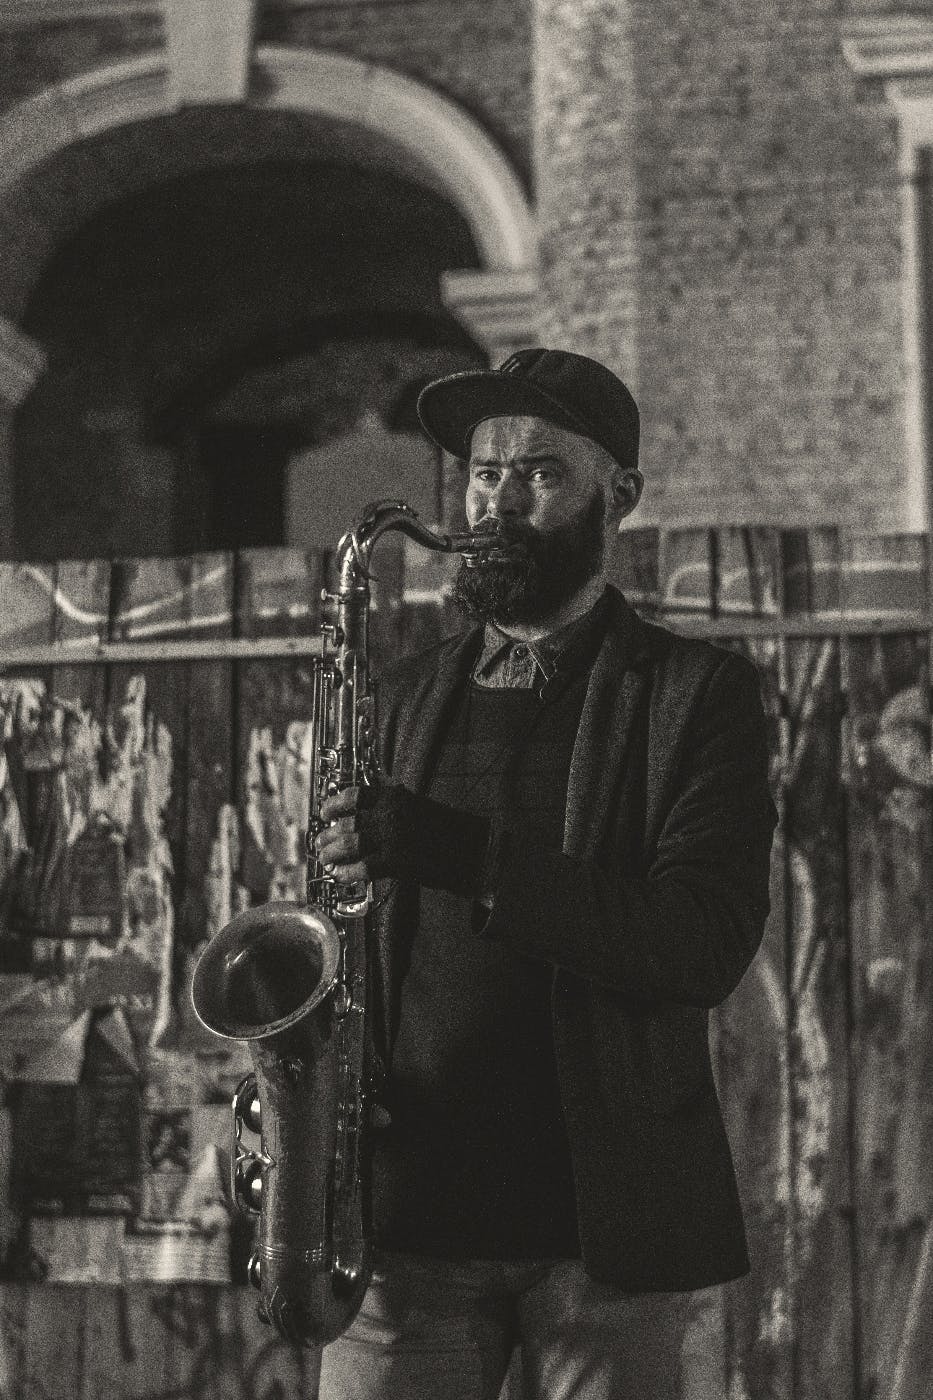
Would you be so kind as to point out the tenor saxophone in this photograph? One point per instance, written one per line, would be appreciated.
(294, 982)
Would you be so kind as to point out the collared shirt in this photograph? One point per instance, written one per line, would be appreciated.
(505, 663)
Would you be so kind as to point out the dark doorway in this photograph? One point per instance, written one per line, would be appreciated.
(242, 295)
(245, 467)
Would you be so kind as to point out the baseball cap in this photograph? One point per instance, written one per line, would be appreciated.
(573, 391)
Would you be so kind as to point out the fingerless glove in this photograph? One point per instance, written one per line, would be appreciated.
(413, 837)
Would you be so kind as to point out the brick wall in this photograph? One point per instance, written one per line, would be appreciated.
(763, 327)
(771, 269)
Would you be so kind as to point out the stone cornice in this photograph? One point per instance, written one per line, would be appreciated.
(20, 14)
(22, 361)
(890, 47)
(498, 308)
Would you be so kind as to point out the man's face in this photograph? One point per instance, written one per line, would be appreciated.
(545, 487)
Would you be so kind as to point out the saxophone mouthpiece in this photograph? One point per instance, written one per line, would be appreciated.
(482, 543)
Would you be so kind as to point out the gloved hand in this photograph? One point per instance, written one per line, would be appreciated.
(389, 830)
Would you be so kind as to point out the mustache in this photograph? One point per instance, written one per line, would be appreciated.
(510, 532)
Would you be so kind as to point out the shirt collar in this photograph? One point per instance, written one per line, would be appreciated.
(546, 651)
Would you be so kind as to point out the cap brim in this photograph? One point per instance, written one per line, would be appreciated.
(450, 408)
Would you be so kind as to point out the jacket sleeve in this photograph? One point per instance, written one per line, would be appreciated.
(686, 928)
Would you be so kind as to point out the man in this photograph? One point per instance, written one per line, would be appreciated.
(571, 849)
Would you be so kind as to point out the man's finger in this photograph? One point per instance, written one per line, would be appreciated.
(338, 826)
(335, 844)
(350, 874)
(340, 804)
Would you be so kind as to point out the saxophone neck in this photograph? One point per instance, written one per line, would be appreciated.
(355, 548)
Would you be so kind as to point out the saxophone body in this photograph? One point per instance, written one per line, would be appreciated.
(295, 983)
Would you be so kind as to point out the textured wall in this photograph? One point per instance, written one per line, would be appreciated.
(34, 58)
(585, 95)
(732, 236)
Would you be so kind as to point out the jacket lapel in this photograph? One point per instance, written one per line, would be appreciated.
(617, 682)
(425, 708)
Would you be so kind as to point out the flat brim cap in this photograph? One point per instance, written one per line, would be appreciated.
(571, 390)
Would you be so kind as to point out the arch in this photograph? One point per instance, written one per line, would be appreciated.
(433, 135)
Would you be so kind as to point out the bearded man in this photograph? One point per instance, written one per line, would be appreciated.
(571, 849)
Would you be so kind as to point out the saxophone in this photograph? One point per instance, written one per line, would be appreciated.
(294, 983)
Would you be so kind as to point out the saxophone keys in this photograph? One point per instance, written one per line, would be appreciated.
(248, 1184)
(246, 1106)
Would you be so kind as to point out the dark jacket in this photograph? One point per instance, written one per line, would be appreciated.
(641, 948)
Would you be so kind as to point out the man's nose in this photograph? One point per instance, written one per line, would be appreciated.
(506, 498)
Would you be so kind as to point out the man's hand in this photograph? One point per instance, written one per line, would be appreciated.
(338, 845)
(390, 830)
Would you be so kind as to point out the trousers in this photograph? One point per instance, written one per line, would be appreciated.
(432, 1329)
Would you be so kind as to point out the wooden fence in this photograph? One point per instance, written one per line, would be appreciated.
(154, 777)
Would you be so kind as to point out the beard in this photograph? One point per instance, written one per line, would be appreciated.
(542, 572)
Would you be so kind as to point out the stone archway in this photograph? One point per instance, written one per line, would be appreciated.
(431, 138)
(420, 134)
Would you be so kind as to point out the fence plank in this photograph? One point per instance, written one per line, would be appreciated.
(27, 593)
(147, 719)
(746, 569)
(82, 610)
(686, 572)
(210, 840)
(426, 612)
(754, 1087)
(809, 570)
(276, 589)
(13, 1326)
(55, 1341)
(81, 616)
(34, 845)
(634, 568)
(892, 1049)
(124, 1345)
(816, 1003)
(251, 1359)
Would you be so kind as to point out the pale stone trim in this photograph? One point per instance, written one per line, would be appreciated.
(452, 149)
(889, 46)
(898, 49)
(41, 125)
(210, 48)
(499, 309)
(20, 14)
(436, 135)
(22, 360)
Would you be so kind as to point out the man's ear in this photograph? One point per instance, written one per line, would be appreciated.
(626, 486)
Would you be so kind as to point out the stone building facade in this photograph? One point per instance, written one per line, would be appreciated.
(207, 214)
